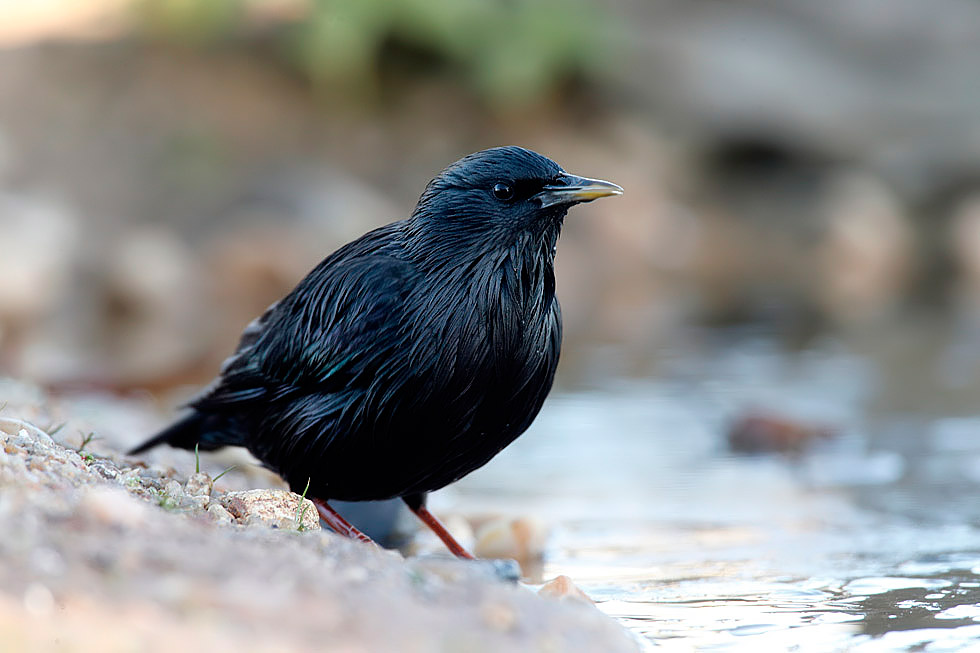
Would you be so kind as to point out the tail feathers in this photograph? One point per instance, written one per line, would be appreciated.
(199, 430)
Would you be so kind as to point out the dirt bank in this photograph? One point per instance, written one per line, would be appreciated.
(104, 554)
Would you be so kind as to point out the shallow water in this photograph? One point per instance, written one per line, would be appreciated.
(866, 542)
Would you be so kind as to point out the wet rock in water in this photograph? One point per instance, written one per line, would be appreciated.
(761, 432)
(522, 539)
(274, 508)
(562, 588)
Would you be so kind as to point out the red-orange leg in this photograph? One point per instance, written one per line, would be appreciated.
(416, 504)
(337, 523)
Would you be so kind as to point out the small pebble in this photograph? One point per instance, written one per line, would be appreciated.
(173, 490)
(196, 502)
(105, 469)
(219, 514)
(198, 485)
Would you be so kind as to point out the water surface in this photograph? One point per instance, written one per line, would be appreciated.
(866, 542)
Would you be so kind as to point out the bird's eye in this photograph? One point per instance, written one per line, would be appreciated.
(503, 191)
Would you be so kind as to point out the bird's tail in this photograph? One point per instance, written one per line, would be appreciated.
(194, 430)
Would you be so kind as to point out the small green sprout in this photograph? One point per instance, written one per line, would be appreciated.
(53, 430)
(301, 508)
(215, 479)
(86, 440)
(166, 501)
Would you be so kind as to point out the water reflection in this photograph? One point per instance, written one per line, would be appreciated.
(948, 600)
(852, 545)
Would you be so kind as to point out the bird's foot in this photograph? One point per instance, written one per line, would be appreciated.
(338, 524)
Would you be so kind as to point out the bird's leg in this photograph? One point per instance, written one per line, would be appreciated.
(337, 523)
(416, 503)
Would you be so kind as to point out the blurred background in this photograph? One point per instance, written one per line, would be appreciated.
(796, 260)
(168, 168)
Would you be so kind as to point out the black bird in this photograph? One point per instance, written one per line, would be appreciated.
(410, 357)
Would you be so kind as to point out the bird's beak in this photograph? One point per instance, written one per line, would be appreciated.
(571, 189)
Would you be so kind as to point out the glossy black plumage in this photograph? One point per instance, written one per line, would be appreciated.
(411, 356)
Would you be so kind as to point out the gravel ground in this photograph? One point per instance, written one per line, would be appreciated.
(103, 553)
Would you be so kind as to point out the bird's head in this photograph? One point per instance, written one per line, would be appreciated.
(498, 197)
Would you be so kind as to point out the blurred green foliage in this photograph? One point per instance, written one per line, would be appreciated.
(190, 21)
(509, 52)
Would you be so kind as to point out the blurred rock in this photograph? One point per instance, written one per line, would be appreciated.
(48, 231)
(964, 245)
(830, 76)
(131, 318)
(253, 265)
(563, 589)
(760, 432)
(273, 508)
(38, 258)
(522, 539)
(865, 259)
(113, 507)
(150, 304)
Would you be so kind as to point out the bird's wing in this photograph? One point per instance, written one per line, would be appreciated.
(339, 325)
(330, 332)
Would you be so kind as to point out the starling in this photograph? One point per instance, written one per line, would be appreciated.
(411, 356)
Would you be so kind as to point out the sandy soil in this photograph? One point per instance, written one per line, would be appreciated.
(102, 553)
